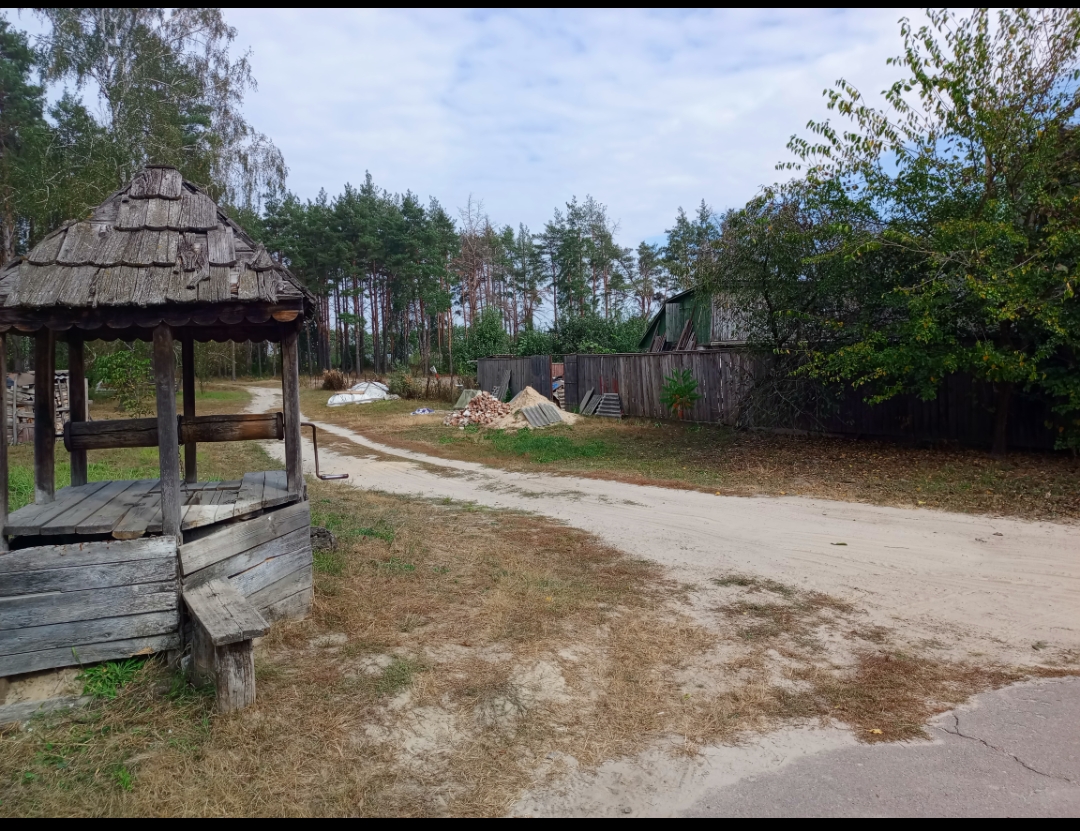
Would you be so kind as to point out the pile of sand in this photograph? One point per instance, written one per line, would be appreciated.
(529, 397)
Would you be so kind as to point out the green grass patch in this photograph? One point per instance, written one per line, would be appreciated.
(105, 680)
(130, 463)
(397, 676)
(545, 446)
(328, 562)
(347, 527)
(395, 565)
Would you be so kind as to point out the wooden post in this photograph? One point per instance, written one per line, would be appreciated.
(44, 417)
(290, 390)
(77, 403)
(187, 349)
(3, 445)
(168, 441)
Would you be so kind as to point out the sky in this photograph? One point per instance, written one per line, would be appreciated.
(646, 111)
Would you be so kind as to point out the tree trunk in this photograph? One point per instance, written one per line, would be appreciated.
(1004, 390)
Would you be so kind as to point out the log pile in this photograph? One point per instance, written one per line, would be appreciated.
(483, 410)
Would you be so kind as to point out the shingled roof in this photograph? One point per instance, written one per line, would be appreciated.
(160, 241)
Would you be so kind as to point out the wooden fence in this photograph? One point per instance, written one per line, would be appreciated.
(962, 412)
(532, 372)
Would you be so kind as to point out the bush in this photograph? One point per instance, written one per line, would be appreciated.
(334, 379)
(679, 392)
(405, 384)
(128, 376)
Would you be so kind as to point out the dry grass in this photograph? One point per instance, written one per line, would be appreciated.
(1029, 485)
(453, 657)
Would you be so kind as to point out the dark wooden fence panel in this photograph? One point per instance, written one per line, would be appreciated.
(571, 393)
(962, 412)
(534, 371)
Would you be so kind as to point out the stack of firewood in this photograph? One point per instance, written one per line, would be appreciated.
(484, 409)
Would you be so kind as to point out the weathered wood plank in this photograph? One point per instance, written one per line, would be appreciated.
(74, 633)
(88, 577)
(68, 521)
(26, 710)
(86, 654)
(276, 487)
(295, 581)
(141, 517)
(272, 570)
(241, 536)
(294, 607)
(105, 519)
(253, 557)
(251, 490)
(224, 615)
(73, 555)
(63, 607)
(28, 519)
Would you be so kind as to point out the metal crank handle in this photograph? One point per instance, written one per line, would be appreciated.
(315, 444)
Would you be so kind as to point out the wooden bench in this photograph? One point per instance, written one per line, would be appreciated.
(223, 625)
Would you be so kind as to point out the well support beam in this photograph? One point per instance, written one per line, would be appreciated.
(77, 403)
(187, 348)
(3, 443)
(168, 446)
(44, 416)
(290, 390)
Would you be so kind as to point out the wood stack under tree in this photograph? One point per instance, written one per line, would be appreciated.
(101, 570)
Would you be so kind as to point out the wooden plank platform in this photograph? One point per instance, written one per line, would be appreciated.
(130, 509)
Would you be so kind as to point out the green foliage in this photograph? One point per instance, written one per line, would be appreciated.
(404, 383)
(534, 342)
(679, 393)
(105, 680)
(127, 374)
(591, 333)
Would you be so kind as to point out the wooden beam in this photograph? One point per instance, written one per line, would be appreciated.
(77, 403)
(168, 450)
(290, 389)
(143, 432)
(3, 443)
(44, 417)
(187, 348)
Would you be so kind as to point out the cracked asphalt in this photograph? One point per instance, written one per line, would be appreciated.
(1011, 752)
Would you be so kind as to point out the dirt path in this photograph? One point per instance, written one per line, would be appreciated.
(981, 585)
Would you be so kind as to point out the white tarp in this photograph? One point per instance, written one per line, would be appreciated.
(363, 393)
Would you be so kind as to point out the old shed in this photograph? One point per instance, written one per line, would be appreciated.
(105, 570)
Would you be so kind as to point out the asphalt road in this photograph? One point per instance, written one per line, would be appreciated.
(1008, 753)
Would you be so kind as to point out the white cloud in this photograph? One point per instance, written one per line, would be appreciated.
(646, 111)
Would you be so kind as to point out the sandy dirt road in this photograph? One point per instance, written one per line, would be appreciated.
(987, 586)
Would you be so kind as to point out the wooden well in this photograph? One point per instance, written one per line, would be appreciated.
(106, 570)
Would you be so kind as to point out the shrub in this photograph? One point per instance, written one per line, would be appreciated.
(679, 392)
(405, 384)
(334, 379)
(128, 376)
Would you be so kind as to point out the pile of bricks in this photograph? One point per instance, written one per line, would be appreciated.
(483, 410)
